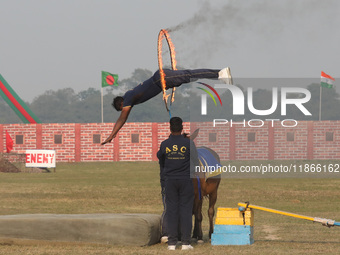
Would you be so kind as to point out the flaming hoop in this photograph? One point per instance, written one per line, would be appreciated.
(164, 34)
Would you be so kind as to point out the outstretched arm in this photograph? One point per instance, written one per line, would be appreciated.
(119, 124)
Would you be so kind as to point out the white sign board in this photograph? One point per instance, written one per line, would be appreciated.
(40, 158)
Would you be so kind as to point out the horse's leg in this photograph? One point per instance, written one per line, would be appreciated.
(198, 221)
(197, 211)
(195, 207)
(194, 210)
(211, 211)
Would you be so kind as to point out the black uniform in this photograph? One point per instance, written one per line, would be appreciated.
(176, 152)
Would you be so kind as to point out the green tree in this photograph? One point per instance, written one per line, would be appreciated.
(330, 102)
(56, 106)
(66, 106)
(7, 115)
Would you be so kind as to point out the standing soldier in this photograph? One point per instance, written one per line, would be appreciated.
(178, 154)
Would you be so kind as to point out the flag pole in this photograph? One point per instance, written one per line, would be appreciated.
(320, 103)
(102, 105)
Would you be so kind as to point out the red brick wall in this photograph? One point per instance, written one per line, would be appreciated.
(324, 149)
(296, 149)
(66, 150)
(223, 144)
(90, 151)
(232, 142)
(140, 151)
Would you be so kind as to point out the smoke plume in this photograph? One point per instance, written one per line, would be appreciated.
(218, 30)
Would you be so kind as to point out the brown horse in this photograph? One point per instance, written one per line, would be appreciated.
(209, 189)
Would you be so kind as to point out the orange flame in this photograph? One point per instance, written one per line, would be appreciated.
(172, 50)
(164, 34)
(160, 61)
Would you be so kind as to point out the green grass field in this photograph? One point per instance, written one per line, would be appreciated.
(131, 187)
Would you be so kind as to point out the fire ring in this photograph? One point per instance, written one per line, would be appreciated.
(165, 34)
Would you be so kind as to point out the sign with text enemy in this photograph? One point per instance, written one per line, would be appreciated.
(40, 158)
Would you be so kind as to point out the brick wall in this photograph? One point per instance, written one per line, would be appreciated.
(286, 149)
(140, 141)
(326, 149)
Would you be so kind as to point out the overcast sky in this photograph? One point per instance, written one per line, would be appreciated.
(49, 44)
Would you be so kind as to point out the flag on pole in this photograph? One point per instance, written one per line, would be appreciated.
(326, 80)
(9, 143)
(109, 79)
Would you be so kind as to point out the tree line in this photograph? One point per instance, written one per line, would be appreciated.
(67, 106)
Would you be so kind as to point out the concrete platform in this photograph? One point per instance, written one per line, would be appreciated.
(113, 229)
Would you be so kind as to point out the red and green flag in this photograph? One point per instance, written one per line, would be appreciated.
(326, 80)
(15, 102)
(109, 79)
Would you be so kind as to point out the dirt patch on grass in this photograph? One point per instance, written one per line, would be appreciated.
(270, 232)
